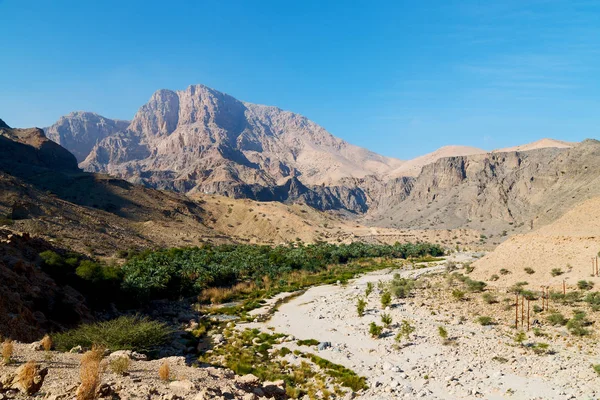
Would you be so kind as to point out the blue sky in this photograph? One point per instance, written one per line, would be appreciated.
(398, 77)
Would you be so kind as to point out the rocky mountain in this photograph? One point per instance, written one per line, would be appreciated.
(495, 192)
(202, 140)
(80, 131)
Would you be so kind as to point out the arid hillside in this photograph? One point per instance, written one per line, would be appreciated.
(567, 246)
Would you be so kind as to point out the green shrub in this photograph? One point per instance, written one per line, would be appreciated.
(529, 270)
(494, 278)
(458, 294)
(537, 309)
(483, 320)
(386, 319)
(375, 330)
(406, 329)
(401, 287)
(308, 342)
(593, 299)
(556, 272)
(557, 318)
(596, 368)
(124, 333)
(585, 285)
(504, 271)
(443, 332)
(520, 337)
(386, 299)
(475, 286)
(489, 298)
(360, 307)
(577, 324)
(369, 289)
(120, 365)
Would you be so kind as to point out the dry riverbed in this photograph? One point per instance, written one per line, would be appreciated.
(478, 362)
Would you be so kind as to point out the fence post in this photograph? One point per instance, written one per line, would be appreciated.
(528, 314)
(517, 311)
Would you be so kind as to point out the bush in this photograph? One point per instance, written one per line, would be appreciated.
(406, 329)
(458, 294)
(489, 298)
(557, 318)
(585, 285)
(520, 337)
(593, 299)
(308, 342)
(7, 351)
(400, 287)
(386, 319)
(596, 368)
(494, 278)
(528, 270)
(375, 330)
(537, 309)
(577, 324)
(556, 272)
(475, 286)
(485, 320)
(443, 333)
(504, 271)
(124, 333)
(369, 289)
(89, 374)
(360, 307)
(120, 365)
(386, 299)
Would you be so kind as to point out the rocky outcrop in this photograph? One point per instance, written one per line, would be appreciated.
(495, 191)
(79, 131)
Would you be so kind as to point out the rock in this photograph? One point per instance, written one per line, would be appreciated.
(323, 346)
(27, 379)
(132, 355)
(275, 389)
(184, 386)
(218, 338)
(36, 346)
(76, 349)
(248, 380)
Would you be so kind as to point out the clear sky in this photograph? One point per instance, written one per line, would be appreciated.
(398, 77)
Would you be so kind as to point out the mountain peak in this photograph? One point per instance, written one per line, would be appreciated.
(3, 124)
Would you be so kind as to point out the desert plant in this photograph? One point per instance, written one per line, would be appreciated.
(529, 270)
(443, 333)
(585, 285)
(458, 294)
(360, 307)
(504, 271)
(124, 333)
(386, 299)
(596, 368)
(483, 320)
(401, 287)
(90, 374)
(520, 337)
(577, 324)
(27, 377)
(8, 348)
(557, 318)
(375, 330)
(556, 272)
(537, 309)
(369, 289)
(164, 372)
(406, 329)
(120, 365)
(489, 298)
(541, 348)
(494, 278)
(475, 286)
(386, 319)
(46, 343)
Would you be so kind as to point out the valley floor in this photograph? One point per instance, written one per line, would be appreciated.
(480, 361)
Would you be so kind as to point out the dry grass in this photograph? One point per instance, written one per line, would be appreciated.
(222, 295)
(27, 376)
(164, 372)
(7, 351)
(90, 374)
(120, 365)
(47, 343)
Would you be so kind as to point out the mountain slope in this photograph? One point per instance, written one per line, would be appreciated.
(569, 243)
(539, 144)
(499, 192)
(413, 167)
(79, 131)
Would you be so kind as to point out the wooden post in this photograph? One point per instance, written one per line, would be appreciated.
(527, 314)
(517, 311)
(564, 287)
(522, 311)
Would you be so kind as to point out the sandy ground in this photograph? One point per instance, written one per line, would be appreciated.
(427, 368)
